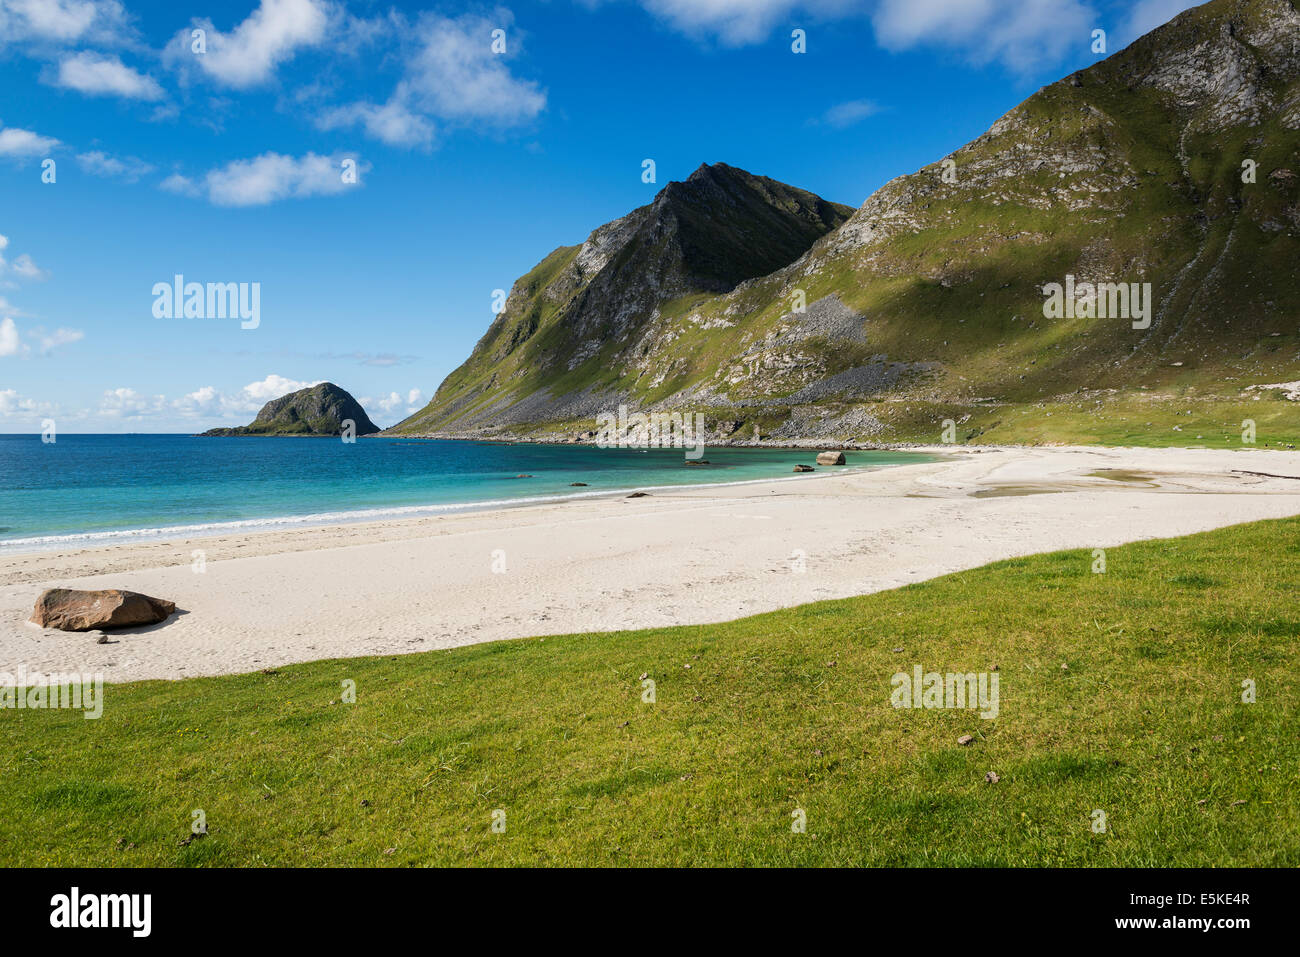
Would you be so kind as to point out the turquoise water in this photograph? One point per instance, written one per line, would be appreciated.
(85, 489)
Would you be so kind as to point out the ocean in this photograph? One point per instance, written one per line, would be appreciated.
(100, 489)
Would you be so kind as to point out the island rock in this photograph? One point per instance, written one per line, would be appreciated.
(322, 409)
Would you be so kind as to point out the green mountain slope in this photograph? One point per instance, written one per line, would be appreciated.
(927, 304)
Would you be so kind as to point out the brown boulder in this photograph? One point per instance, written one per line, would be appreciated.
(830, 458)
(71, 610)
(804, 468)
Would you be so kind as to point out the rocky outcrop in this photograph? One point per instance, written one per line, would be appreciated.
(71, 610)
(318, 410)
(830, 458)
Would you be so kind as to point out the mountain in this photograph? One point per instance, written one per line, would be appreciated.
(928, 303)
(318, 410)
(620, 296)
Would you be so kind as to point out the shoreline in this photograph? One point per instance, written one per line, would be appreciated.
(682, 555)
(127, 536)
(789, 445)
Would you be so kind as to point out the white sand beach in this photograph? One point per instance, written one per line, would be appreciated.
(683, 556)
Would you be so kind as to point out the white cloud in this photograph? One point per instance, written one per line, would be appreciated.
(394, 403)
(843, 115)
(393, 122)
(209, 402)
(14, 405)
(384, 404)
(129, 404)
(1021, 34)
(23, 144)
(248, 55)
(270, 177)
(274, 386)
(25, 266)
(96, 74)
(1018, 33)
(203, 403)
(61, 21)
(49, 341)
(455, 75)
(176, 183)
(9, 344)
(744, 22)
(452, 76)
(128, 168)
(737, 22)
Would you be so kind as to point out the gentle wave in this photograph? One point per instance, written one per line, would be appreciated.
(125, 535)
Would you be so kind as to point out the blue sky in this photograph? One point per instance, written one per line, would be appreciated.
(472, 164)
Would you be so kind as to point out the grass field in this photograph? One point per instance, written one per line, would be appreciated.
(1119, 692)
(1164, 421)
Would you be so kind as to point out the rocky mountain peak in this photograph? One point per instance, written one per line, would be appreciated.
(703, 235)
(1233, 61)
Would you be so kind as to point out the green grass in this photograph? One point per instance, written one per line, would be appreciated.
(753, 719)
(1161, 420)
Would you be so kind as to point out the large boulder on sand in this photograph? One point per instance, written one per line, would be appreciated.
(71, 610)
(830, 458)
